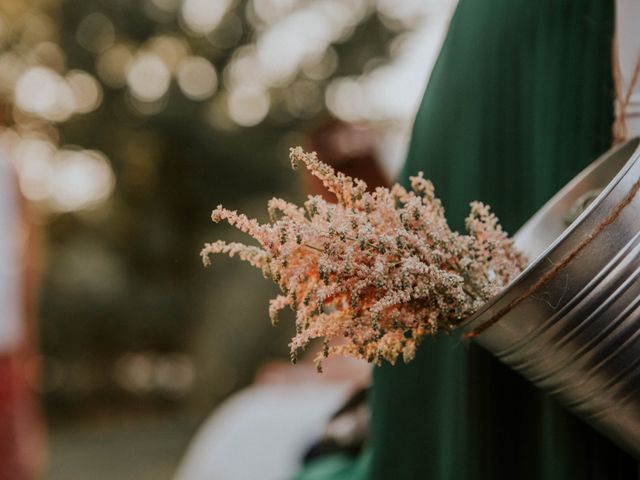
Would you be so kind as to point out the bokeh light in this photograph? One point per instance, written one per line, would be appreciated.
(49, 54)
(62, 180)
(171, 49)
(270, 11)
(197, 78)
(145, 372)
(323, 67)
(148, 77)
(36, 90)
(43, 92)
(87, 91)
(113, 64)
(34, 158)
(391, 91)
(248, 105)
(95, 32)
(79, 179)
(59, 179)
(407, 11)
(203, 16)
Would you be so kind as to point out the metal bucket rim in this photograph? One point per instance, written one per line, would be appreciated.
(634, 155)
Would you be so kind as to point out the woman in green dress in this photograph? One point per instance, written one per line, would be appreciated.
(520, 100)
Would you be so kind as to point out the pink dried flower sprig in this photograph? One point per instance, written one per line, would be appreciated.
(375, 273)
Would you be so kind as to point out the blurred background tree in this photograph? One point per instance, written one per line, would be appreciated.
(128, 120)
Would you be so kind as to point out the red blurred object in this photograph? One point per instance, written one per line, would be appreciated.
(20, 438)
(20, 421)
(350, 149)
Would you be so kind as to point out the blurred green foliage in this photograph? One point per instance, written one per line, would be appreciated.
(124, 276)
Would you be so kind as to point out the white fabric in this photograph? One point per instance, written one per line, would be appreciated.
(628, 37)
(9, 258)
(262, 432)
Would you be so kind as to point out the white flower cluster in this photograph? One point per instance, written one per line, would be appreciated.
(376, 272)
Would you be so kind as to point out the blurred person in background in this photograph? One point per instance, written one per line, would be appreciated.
(20, 424)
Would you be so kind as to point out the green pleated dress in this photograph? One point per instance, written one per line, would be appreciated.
(520, 100)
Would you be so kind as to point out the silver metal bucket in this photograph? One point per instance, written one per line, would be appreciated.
(570, 323)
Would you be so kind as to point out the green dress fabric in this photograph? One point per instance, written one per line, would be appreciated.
(520, 100)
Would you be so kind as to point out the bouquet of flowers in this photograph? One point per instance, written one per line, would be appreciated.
(376, 272)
